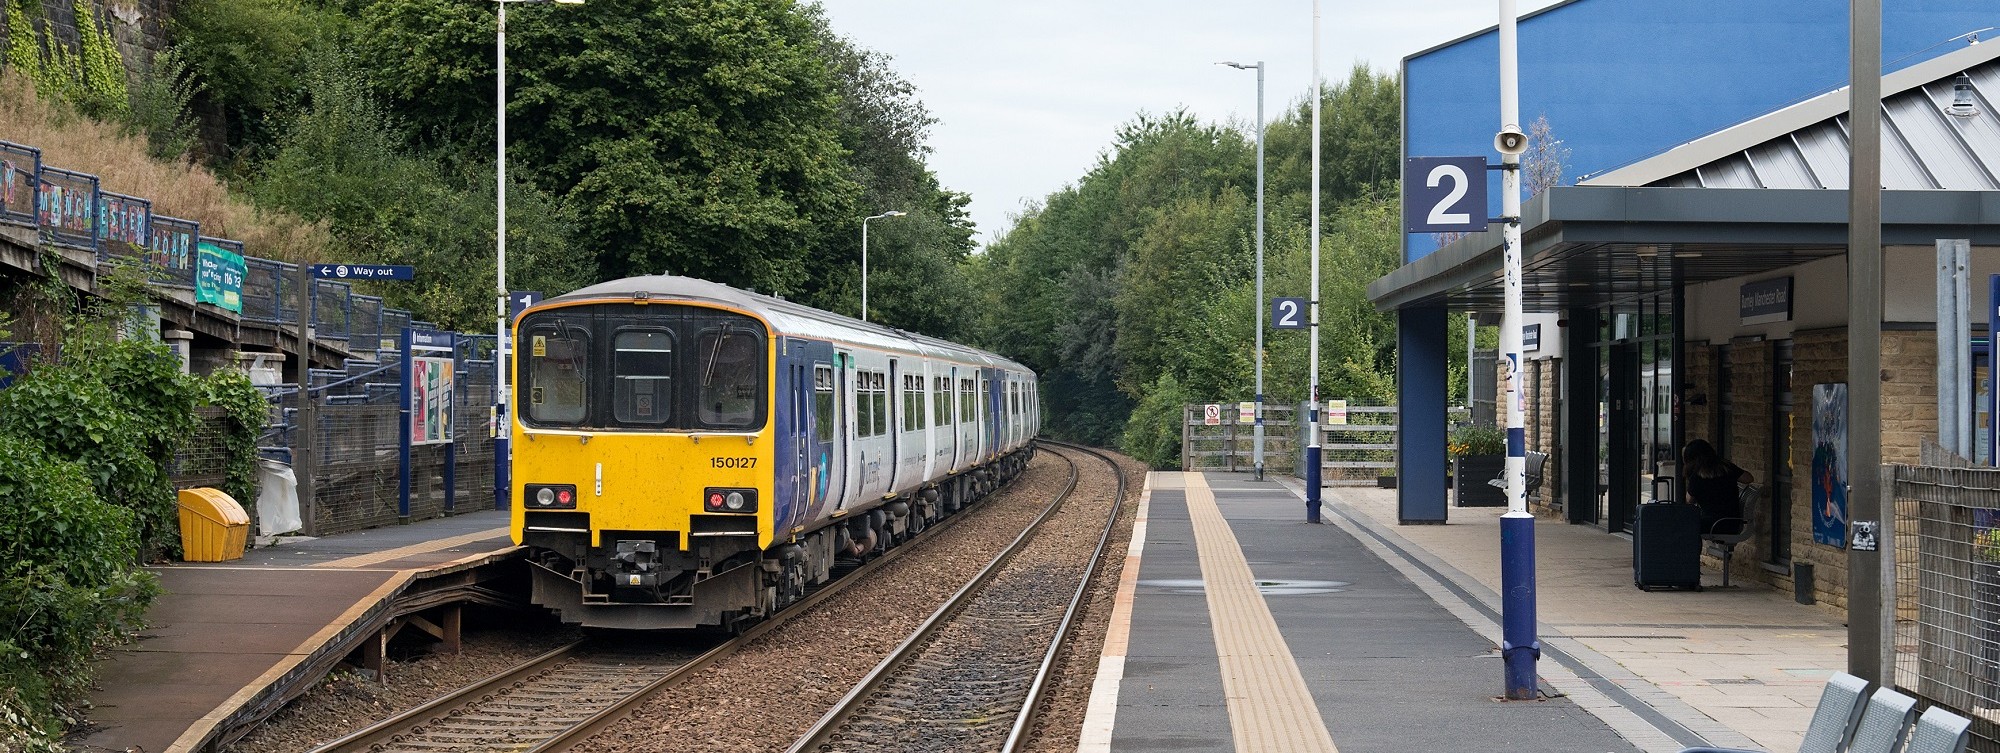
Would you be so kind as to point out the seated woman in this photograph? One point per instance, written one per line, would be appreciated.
(1711, 483)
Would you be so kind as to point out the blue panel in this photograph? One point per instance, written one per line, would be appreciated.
(1622, 80)
(1420, 390)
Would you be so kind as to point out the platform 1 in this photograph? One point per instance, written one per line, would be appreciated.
(228, 643)
(1240, 627)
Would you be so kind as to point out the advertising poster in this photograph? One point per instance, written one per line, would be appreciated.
(1829, 465)
(68, 208)
(123, 220)
(172, 243)
(430, 400)
(17, 182)
(218, 276)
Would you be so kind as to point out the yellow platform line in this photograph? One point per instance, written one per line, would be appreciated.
(1270, 708)
(364, 560)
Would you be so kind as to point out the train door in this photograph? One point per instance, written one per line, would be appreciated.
(826, 458)
(895, 424)
(932, 423)
(958, 419)
(989, 409)
(846, 477)
(795, 455)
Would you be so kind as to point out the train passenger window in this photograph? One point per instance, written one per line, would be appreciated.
(965, 400)
(940, 401)
(823, 402)
(913, 402)
(558, 379)
(642, 368)
(864, 406)
(730, 371)
(880, 396)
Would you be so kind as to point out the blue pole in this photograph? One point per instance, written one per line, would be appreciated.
(1517, 603)
(403, 436)
(503, 429)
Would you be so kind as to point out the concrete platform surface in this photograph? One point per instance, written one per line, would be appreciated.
(224, 633)
(1387, 636)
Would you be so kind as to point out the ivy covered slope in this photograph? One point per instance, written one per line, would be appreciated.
(86, 442)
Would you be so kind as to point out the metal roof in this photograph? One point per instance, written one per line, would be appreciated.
(1805, 145)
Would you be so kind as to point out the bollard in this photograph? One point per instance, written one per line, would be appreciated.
(1312, 483)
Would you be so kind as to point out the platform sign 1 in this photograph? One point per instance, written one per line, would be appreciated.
(1336, 412)
(1246, 412)
(1444, 194)
(520, 300)
(1211, 415)
(1288, 313)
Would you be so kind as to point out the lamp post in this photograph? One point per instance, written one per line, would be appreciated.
(1258, 443)
(1519, 646)
(1312, 391)
(502, 417)
(864, 257)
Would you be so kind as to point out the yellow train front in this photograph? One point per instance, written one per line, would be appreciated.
(689, 455)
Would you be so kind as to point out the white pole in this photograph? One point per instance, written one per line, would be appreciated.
(1312, 391)
(1258, 445)
(864, 268)
(502, 428)
(1520, 647)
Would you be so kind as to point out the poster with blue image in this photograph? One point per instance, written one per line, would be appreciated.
(1829, 465)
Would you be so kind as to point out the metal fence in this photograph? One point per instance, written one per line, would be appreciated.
(1947, 551)
(1357, 445)
(1230, 443)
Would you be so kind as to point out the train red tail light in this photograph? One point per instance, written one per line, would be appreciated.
(725, 499)
(550, 496)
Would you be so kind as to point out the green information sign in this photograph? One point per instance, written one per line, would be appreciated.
(218, 276)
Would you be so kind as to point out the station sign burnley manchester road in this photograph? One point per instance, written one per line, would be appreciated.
(365, 271)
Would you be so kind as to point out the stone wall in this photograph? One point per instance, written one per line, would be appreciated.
(139, 26)
(1542, 380)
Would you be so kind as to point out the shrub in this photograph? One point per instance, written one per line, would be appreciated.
(67, 586)
(1476, 439)
(1153, 433)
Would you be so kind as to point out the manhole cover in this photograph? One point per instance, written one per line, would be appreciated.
(1266, 587)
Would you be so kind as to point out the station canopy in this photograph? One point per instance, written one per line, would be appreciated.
(1762, 195)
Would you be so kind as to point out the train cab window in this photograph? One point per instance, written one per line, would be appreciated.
(642, 368)
(558, 374)
(730, 371)
(823, 402)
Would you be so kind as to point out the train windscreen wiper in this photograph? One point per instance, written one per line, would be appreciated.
(714, 353)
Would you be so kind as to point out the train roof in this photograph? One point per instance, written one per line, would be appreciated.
(788, 318)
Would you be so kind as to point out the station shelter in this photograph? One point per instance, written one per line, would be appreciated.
(1699, 289)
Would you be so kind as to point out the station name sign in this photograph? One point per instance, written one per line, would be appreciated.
(1765, 301)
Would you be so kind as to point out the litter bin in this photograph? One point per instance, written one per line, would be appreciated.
(213, 527)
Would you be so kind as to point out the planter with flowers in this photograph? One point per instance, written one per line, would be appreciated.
(1478, 455)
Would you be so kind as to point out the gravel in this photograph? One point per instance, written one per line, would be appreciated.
(345, 701)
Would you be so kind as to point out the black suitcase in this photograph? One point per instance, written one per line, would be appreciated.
(1666, 547)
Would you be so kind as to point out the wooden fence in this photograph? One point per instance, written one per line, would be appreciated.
(1357, 451)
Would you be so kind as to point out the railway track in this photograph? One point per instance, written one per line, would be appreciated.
(556, 700)
(971, 677)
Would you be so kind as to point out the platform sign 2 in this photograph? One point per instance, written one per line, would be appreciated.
(1288, 313)
(1444, 194)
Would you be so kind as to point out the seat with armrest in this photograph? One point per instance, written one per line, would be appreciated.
(1940, 731)
(1533, 470)
(1833, 720)
(1726, 533)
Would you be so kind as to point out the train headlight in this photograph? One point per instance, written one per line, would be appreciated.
(551, 496)
(723, 499)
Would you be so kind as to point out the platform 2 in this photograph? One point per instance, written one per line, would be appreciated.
(229, 643)
(1240, 627)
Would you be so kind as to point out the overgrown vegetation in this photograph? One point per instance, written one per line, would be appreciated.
(1135, 286)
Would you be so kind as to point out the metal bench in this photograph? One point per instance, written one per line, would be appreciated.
(1536, 462)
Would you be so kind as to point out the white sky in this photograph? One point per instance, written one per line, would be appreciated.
(1028, 92)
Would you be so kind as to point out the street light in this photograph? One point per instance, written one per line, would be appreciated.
(502, 417)
(864, 257)
(1258, 445)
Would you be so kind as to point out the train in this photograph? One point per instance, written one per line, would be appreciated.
(691, 456)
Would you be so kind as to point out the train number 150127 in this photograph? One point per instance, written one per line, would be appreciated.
(734, 462)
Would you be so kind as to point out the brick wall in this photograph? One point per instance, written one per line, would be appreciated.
(1820, 358)
(1542, 380)
(1700, 401)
